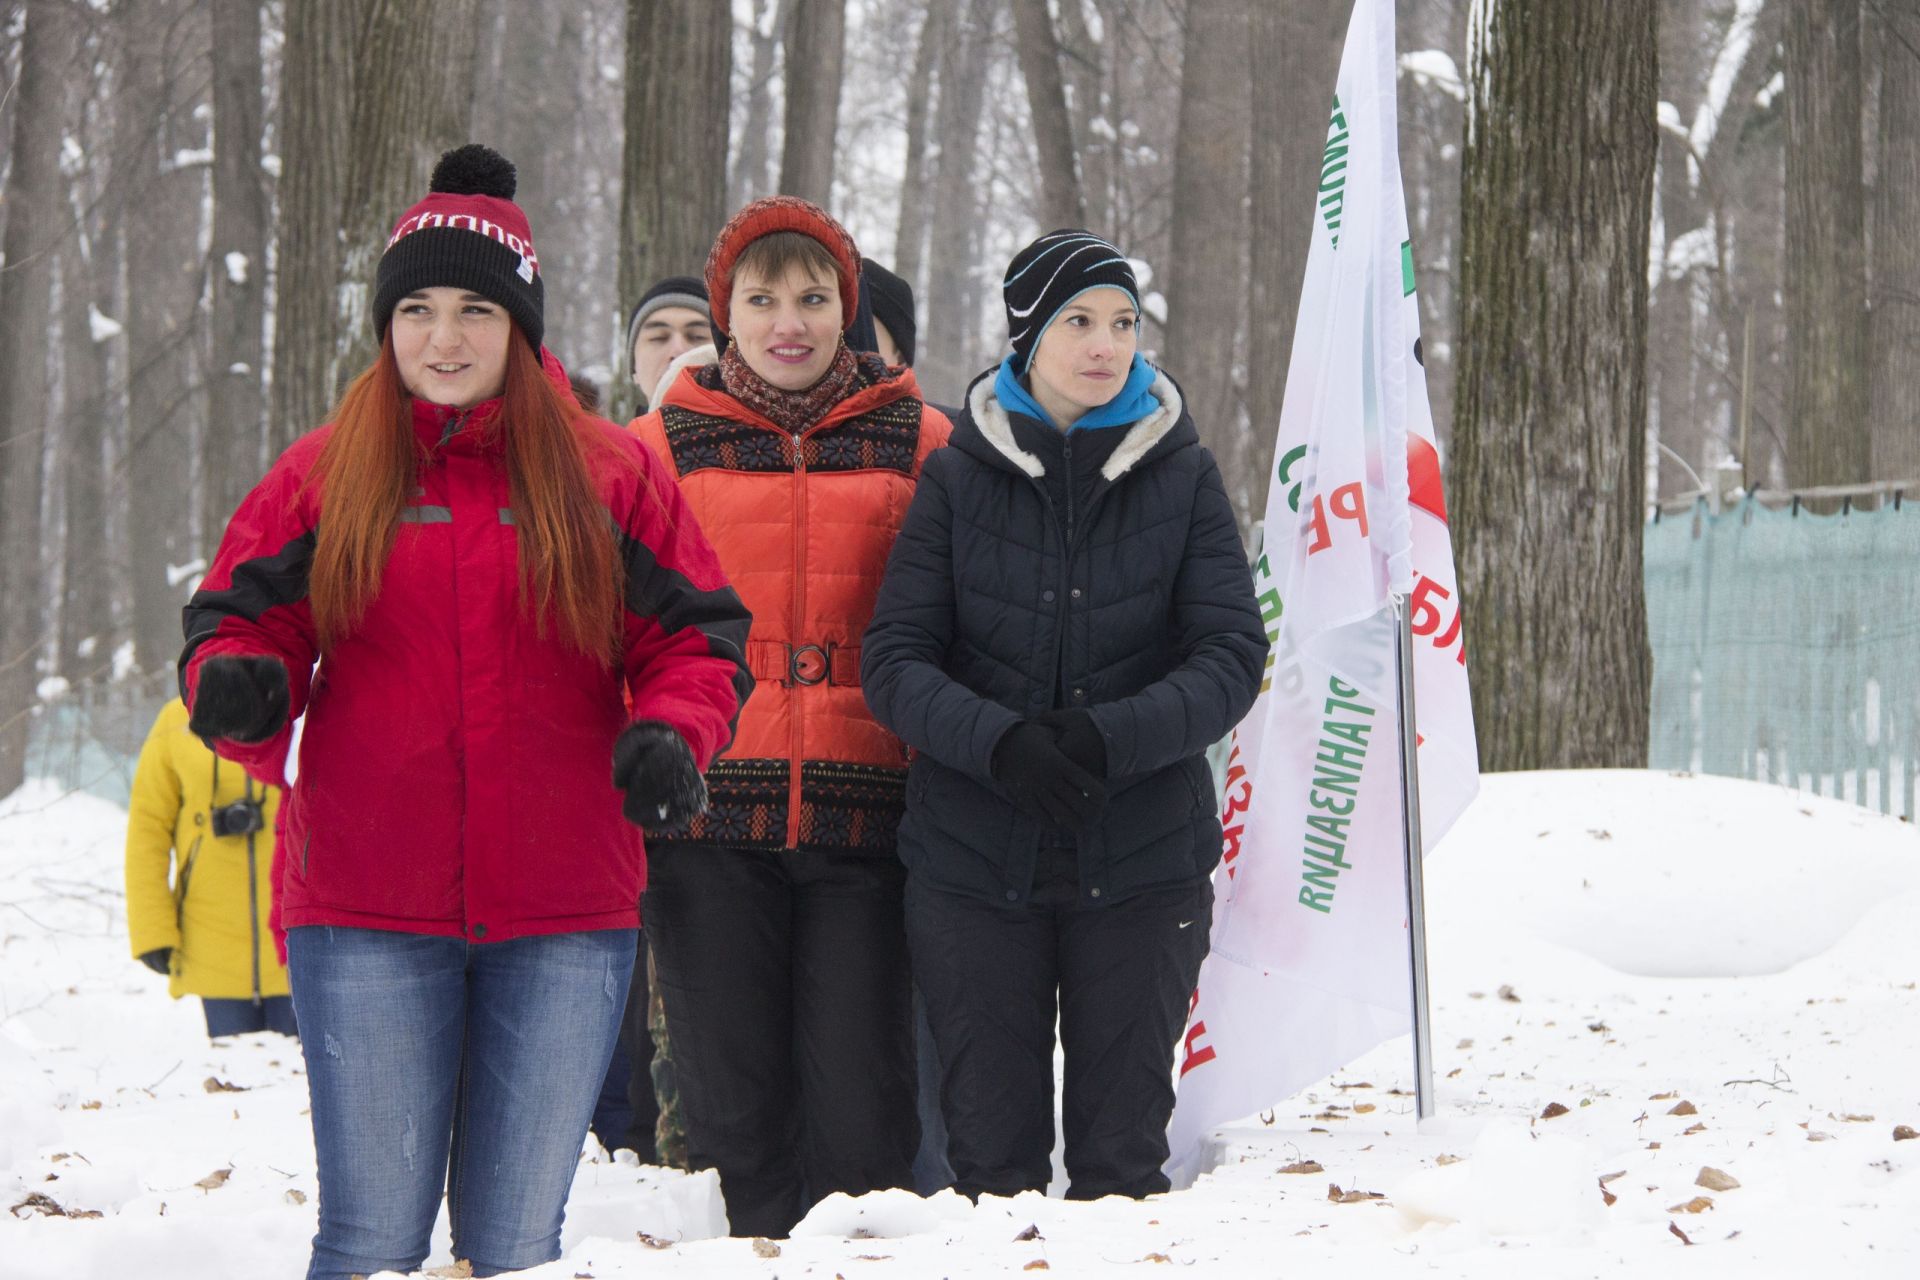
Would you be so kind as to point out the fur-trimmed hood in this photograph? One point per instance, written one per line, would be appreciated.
(694, 357)
(985, 429)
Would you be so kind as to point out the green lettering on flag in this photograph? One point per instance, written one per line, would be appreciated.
(1406, 267)
(1333, 172)
(1336, 773)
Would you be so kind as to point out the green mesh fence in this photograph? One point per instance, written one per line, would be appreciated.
(1786, 649)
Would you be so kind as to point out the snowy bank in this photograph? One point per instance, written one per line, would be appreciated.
(1645, 988)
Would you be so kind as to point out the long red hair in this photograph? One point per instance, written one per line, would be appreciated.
(569, 565)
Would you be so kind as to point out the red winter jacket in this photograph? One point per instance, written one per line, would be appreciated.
(455, 766)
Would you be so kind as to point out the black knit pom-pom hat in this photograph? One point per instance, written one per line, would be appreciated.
(466, 234)
(1053, 271)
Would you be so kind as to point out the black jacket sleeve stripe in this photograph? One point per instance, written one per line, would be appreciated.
(255, 586)
(655, 591)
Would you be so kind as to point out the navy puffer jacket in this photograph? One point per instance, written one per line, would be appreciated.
(1099, 569)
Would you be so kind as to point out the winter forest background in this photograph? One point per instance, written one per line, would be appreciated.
(1674, 252)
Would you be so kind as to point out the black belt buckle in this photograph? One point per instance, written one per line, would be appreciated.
(809, 664)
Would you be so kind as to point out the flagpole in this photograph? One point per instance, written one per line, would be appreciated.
(1416, 884)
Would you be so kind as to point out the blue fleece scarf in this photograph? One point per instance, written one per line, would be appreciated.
(1134, 401)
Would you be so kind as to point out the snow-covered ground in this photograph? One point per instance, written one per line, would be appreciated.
(1703, 973)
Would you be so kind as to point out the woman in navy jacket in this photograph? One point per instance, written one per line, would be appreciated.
(1067, 622)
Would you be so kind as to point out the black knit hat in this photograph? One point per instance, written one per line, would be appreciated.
(466, 234)
(668, 291)
(892, 305)
(1051, 272)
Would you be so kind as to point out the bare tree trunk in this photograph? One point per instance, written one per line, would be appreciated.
(1896, 252)
(34, 226)
(1548, 478)
(749, 177)
(315, 122)
(1081, 54)
(816, 39)
(234, 439)
(909, 241)
(1828, 441)
(413, 98)
(1295, 59)
(943, 365)
(165, 273)
(86, 607)
(1676, 418)
(1061, 202)
(1206, 277)
(673, 201)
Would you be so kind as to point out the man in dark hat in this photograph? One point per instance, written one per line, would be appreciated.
(670, 320)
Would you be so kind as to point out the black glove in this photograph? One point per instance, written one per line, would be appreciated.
(240, 699)
(654, 766)
(1043, 782)
(1078, 738)
(160, 960)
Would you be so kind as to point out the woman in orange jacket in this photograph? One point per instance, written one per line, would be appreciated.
(776, 919)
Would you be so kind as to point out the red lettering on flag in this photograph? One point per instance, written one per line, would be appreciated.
(1198, 1055)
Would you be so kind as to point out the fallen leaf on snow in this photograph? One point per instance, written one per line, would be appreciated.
(1856, 1119)
(765, 1248)
(1361, 1108)
(215, 1180)
(1443, 1158)
(1553, 1109)
(1816, 1135)
(1464, 1044)
(1156, 1257)
(93, 1105)
(652, 1242)
(1335, 1194)
(1038, 1264)
(1304, 1166)
(1683, 1108)
(1901, 1132)
(1606, 1197)
(1714, 1179)
(1031, 1233)
(1507, 993)
(1699, 1204)
(214, 1084)
(1661, 1097)
(1677, 1231)
(49, 1207)
(296, 1196)
(1690, 1130)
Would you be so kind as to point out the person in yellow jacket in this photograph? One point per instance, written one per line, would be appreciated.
(206, 925)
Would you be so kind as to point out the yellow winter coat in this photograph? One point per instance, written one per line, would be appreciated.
(213, 908)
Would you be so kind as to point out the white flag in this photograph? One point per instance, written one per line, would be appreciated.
(1309, 966)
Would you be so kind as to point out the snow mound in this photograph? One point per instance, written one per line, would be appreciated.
(881, 1215)
(1516, 1183)
(1672, 875)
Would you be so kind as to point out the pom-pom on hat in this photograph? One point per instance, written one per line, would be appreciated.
(765, 216)
(466, 234)
(1053, 271)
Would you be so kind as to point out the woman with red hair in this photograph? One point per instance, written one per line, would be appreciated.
(521, 636)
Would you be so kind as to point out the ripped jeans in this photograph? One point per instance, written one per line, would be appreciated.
(434, 1062)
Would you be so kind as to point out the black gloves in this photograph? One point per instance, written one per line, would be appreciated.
(1078, 738)
(654, 766)
(240, 699)
(160, 960)
(1043, 781)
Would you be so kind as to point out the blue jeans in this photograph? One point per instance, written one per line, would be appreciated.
(435, 1061)
(241, 1015)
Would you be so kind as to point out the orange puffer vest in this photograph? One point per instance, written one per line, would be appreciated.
(802, 524)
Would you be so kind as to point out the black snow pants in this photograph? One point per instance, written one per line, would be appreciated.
(789, 1010)
(1118, 978)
